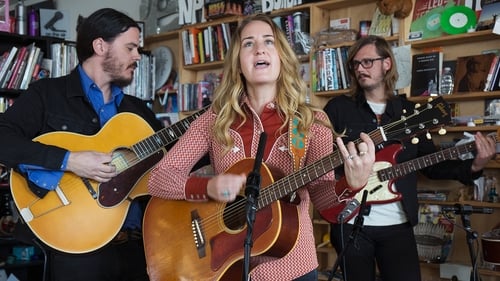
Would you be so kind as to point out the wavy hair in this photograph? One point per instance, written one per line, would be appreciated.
(290, 98)
(383, 50)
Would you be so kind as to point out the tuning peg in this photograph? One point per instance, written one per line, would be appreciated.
(404, 111)
(428, 135)
(429, 99)
(414, 140)
(442, 131)
(417, 105)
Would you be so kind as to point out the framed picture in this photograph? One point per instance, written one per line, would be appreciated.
(141, 35)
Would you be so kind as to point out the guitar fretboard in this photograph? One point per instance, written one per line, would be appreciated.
(432, 115)
(426, 161)
(165, 136)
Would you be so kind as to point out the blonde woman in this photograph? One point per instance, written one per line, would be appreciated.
(261, 92)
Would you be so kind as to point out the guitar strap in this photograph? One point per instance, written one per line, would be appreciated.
(297, 146)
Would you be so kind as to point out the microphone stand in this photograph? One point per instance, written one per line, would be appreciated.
(252, 194)
(471, 235)
(358, 224)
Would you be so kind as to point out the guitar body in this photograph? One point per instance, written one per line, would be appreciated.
(83, 223)
(205, 241)
(379, 192)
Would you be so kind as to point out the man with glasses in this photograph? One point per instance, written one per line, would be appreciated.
(386, 241)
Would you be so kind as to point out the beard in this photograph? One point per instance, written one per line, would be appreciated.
(112, 66)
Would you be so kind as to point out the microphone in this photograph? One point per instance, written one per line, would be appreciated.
(466, 209)
(350, 207)
(253, 179)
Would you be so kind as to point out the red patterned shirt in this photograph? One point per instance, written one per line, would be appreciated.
(171, 178)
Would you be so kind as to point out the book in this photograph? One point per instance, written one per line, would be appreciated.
(472, 72)
(426, 73)
(11, 75)
(489, 77)
(495, 80)
(425, 23)
(381, 24)
(30, 68)
(186, 48)
(193, 39)
(8, 63)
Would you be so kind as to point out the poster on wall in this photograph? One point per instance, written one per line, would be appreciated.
(54, 23)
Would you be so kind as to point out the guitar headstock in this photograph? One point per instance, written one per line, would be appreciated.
(425, 117)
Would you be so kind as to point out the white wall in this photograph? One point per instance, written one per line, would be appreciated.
(86, 7)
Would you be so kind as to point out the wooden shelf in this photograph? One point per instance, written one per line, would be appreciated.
(338, 4)
(472, 37)
(469, 202)
(162, 37)
(460, 96)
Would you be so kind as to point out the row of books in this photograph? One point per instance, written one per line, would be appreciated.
(64, 58)
(22, 65)
(329, 70)
(5, 103)
(19, 66)
(201, 45)
(194, 96)
(296, 28)
(143, 85)
(493, 77)
(474, 73)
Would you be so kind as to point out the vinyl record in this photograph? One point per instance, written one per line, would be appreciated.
(163, 65)
(433, 22)
(458, 19)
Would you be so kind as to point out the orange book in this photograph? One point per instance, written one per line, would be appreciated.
(193, 40)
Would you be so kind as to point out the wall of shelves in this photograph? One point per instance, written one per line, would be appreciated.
(453, 46)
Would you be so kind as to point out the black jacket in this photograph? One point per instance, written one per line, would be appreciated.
(353, 116)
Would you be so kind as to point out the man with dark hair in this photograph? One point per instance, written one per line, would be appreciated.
(82, 102)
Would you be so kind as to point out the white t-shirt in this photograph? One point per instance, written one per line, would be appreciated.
(383, 214)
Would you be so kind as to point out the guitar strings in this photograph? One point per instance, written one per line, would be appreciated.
(267, 193)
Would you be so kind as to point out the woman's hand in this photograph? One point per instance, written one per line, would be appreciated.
(225, 187)
(358, 161)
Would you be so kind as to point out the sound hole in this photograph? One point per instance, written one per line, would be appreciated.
(234, 215)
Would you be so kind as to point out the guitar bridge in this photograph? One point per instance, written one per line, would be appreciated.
(199, 238)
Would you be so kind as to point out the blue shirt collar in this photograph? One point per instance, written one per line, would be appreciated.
(89, 86)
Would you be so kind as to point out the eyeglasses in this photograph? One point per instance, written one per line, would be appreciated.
(366, 63)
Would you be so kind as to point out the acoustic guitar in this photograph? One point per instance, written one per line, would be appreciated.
(82, 215)
(205, 241)
(379, 187)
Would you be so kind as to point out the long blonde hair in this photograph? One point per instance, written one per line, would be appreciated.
(290, 99)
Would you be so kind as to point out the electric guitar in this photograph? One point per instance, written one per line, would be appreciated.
(82, 215)
(204, 241)
(379, 187)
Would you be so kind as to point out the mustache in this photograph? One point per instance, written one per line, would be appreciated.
(133, 65)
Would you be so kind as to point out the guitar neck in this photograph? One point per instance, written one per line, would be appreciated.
(164, 137)
(425, 161)
(287, 185)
